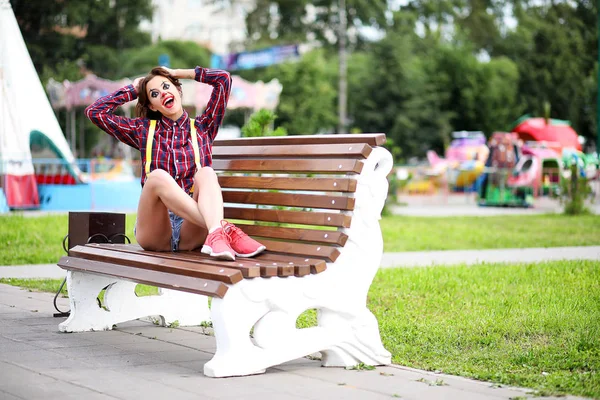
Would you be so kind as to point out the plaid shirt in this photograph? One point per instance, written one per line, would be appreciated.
(172, 149)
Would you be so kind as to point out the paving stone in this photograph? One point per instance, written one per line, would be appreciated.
(11, 374)
(152, 372)
(50, 360)
(7, 396)
(202, 342)
(236, 387)
(297, 385)
(120, 360)
(160, 391)
(58, 342)
(112, 337)
(103, 380)
(12, 346)
(56, 389)
(93, 350)
(148, 346)
(180, 356)
(90, 396)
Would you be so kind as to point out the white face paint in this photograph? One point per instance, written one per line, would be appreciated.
(164, 97)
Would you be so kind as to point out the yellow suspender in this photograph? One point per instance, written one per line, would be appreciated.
(150, 139)
(195, 146)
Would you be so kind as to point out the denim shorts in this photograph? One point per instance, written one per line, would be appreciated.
(176, 222)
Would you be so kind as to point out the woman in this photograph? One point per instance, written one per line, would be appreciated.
(181, 205)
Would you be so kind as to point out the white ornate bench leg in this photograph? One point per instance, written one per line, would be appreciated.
(171, 306)
(364, 343)
(187, 309)
(122, 304)
(85, 314)
(232, 318)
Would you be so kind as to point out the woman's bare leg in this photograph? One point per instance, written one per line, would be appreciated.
(160, 194)
(207, 194)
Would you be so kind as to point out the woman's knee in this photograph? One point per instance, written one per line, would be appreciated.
(158, 177)
(205, 176)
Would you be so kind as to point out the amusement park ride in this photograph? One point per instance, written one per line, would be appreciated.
(512, 168)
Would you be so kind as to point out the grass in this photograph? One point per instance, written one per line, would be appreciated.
(528, 325)
(52, 286)
(37, 240)
(402, 233)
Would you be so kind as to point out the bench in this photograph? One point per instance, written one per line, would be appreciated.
(315, 202)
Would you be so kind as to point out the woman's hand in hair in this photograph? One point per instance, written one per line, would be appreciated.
(172, 72)
(136, 83)
(181, 73)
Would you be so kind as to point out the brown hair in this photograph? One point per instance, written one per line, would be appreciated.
(141, 108)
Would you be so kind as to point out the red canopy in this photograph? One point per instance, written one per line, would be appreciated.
(557, 135)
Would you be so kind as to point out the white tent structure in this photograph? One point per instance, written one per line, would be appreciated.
(25, 115)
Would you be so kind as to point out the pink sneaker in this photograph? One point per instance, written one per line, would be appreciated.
(242, 244)
(217, 245)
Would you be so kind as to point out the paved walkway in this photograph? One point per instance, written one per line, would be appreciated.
(139, 360)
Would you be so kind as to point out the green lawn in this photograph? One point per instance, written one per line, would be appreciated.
(37, 240)
(33, 240)
(402, 233)
(529, 325)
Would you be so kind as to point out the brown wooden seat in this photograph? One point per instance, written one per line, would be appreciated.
(294, 194)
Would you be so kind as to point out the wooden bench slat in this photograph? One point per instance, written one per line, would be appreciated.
(372, 139)
(211, 272)
(250, 267)
(299, 269)
(246, 267)
(148, 277)
(296, 234)
(288, 216)
(342, 150)
(316, 265)
(289, 199)
(296, 165)
(289, 183)
(307, 250)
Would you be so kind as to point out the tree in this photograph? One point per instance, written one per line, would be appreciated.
(551, 53)
(60, 33)
(284, 21)
(307, 104)
(182, 54)
(261, 124)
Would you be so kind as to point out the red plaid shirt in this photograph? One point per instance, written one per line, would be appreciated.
(172, 149)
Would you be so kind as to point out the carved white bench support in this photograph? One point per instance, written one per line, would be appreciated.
(122, 304)
(347, 332)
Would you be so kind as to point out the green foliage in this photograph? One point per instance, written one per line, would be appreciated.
(60, 33)
(182, 54)
(465, 69)
(282, 21)
(307, 104)
(261, 123)
(555, 53)
(361, 367)
(574, 191)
